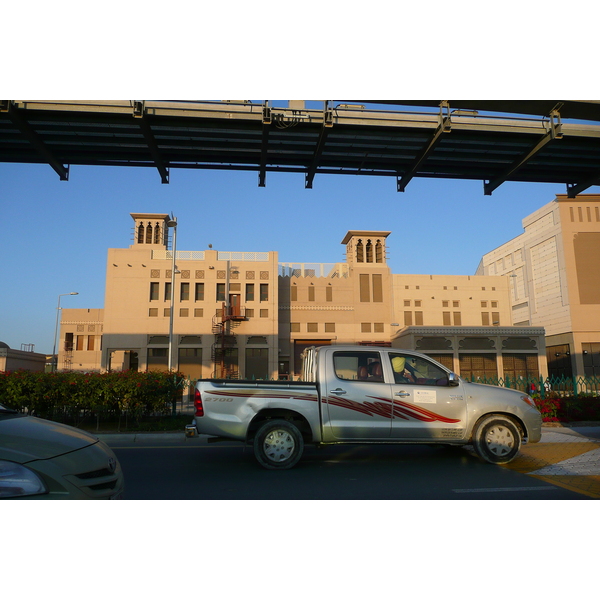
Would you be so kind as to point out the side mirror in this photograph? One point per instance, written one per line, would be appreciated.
(453, 379)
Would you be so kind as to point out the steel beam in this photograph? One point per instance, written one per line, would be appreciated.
(264, 146)
(555, 132)
(163, 169)
(310, 174)
(444, 126)
(573, 190)
(35, 140)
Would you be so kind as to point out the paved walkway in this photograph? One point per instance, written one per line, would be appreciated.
(566, 456)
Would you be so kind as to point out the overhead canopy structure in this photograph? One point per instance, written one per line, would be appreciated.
(553, 141)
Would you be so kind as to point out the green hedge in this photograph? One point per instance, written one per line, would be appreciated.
(73, 396)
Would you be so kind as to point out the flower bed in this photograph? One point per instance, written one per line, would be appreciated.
(557, 408)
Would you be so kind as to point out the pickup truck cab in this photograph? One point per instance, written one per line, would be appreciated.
(365, 395)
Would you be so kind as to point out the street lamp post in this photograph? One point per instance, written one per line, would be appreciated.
(54, 355)
(172, 223)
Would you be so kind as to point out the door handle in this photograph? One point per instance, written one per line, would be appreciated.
(339, 391)
(402, 394)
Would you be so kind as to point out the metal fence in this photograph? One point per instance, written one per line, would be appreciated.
(543, 387)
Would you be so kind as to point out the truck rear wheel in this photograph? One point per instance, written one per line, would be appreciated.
(278, 444)
(497, 439)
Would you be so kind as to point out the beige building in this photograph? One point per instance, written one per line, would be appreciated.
(243, 314)
(24, 359)
(555, 280)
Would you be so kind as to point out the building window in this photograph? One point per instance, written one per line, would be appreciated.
(184, 292)
(407, 303)
(264, 292)
(140, 237)
(360, 256)
(379, 252)
(154, 290)
(483, 304)
(264, 313)
(167, 291)
(257, 363)
(220, 292)
(378, 327)
(494, 304)
(457, 319)
(198, 312)
(419, 317)
(184, 312)
(445, 304)
(369, 248)
(328, 294)
(311, 294)
(446, 318)
(153, 312)
(495, 318)
(455, 304)
(478, 367)
(249, 313)
(365, 292)
(293, 294)
(167, 312)
(295, 327)
(312, 327)
(407, 318)
(199, 292)
(417, 303)
(485, 319)
(249, 292)
(330, 327)
(377, 288)
(365, 327)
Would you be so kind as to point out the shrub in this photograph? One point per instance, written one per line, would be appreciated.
(72, 396)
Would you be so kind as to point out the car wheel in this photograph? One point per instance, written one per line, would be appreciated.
(278, 444)
(497, 439)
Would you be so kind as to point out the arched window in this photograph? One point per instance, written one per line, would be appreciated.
(379, 252)
(140, 236)
(360, 253)
(369, 251)
(149, 233)
(157, 233)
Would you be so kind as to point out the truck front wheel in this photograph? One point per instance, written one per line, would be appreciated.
(278, 444)
(497, 439)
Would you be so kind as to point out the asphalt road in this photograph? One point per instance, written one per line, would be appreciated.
(169, 467)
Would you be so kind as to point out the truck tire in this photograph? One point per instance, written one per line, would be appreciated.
(497, 439)
(278, 444)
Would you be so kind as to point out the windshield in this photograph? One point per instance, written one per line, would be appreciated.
(3, 409)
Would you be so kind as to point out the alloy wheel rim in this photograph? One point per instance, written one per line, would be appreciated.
(499, 440)
(279, 445)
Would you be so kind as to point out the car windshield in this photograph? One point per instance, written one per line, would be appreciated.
(3, 409)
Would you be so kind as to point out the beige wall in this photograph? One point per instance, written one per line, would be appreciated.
(357, 301)
(555, 281)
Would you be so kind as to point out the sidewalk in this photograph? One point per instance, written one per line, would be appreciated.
(568, 455)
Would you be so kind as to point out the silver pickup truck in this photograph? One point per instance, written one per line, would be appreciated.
(365, 395)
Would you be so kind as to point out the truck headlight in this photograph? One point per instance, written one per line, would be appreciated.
(17, 480)
(529, 400)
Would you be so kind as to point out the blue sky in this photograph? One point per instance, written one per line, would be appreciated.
(56, 233)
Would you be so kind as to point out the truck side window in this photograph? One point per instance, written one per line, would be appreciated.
(358, 366)
(416, 370)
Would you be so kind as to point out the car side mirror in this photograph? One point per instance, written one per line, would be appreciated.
(453, 379)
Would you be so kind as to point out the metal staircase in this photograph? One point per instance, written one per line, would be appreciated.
(225, 343)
